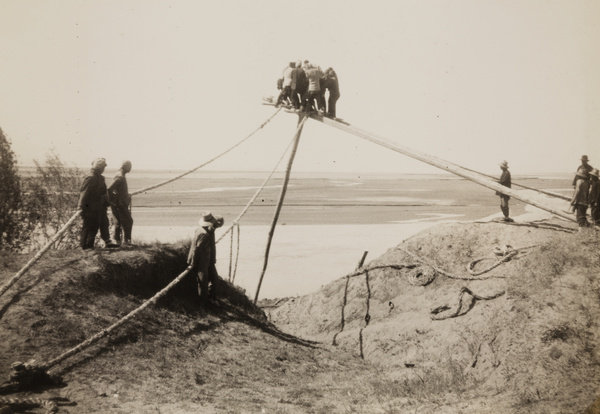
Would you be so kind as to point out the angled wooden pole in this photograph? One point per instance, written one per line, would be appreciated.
(301, 122)
(440, 163)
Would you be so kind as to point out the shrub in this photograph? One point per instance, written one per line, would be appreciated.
(50, 200)
(10, 197)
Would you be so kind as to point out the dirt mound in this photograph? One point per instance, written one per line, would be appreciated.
(526, 335)
(392, 339)
(176, 357)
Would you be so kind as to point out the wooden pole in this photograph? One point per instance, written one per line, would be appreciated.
(549, 193)
(439, 163)
(362, 260)
(301, 122)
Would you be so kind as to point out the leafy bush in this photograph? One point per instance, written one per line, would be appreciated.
(50, 199)
(10, 197)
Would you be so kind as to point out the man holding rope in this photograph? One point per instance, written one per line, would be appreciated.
(203, 254)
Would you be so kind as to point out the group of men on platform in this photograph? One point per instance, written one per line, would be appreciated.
(587, 193)
(303, 86)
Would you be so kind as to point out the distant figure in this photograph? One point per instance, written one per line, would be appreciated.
(581, 197)
(505, 181)
(584, 166)
(120, 204)
(330, 82)
(594, 198)
(92, 206)
(203, 254)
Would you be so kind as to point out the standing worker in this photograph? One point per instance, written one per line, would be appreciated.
(203, 254)
(313, 73)
(330, 82)
(584, 166)
(594, 199)
(92, 205)
(120, 203)
(581, 197)
(505, 181)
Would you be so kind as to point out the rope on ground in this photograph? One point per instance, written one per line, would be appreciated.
(114, 326)
(59, 234)
(152, 187)
(475, 277)
(507, 252)
(435, 312)
(51, 406)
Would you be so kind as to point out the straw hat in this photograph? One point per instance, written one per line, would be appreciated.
(208, 219)
(503, 164)
(595, 172)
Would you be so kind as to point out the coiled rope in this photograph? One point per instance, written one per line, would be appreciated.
(476, 275)
(71, 221)
(435, 312)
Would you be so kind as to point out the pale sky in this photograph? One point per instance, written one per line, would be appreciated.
(170, 84)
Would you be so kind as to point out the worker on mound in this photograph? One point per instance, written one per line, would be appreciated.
(203, 254)
(505, 181)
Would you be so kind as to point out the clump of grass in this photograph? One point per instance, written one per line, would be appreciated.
(562, 333)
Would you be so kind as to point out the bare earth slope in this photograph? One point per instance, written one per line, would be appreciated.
(524, 340)
(528, 344)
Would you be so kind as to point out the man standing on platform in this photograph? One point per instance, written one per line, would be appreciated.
(92, 205)
(120, 203)
(330, 82)
(505, 180)
(203, 254)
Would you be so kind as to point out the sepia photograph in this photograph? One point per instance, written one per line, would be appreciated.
(317, 207)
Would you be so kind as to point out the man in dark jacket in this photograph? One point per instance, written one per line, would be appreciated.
(505, 180)
(120, 201)
(92, 205)
(203, 253)
(584, 166)
(330, 82)
(580, 200)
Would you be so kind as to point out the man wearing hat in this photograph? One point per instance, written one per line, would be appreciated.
(120, 201)
(505, 180)
(584, 166)
(92, 205)
(580, 198)
(203, 253)
(594, 198)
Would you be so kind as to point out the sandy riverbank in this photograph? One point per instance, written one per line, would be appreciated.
(303, 257)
